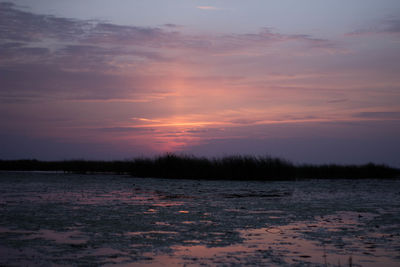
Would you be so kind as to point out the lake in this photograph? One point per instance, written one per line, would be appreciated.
(68, 219)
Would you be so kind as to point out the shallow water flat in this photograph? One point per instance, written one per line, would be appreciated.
(65, 219)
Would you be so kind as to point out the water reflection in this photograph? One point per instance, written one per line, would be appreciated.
(183, 211)
(291, 243)
(100, 221)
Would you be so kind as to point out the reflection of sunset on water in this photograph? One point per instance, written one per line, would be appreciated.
(109, 219)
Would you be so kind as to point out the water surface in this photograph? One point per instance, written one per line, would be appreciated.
(64, 219)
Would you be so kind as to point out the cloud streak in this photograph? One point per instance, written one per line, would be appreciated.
(389, 26)
(207, 8)
(23, 26)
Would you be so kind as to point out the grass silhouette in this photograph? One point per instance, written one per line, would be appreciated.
(190, 167)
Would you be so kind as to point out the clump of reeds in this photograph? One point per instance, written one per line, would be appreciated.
(191, 167)
(232, 167)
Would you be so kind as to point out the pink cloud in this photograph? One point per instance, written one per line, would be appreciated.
(207, 7)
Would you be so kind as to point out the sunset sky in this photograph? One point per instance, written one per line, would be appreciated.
(311, 81)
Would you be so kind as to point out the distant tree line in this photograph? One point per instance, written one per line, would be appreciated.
(190, 167)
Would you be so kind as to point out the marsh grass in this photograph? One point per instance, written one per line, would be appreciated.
(191, 167)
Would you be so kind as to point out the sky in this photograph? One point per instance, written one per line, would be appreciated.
(310, 81)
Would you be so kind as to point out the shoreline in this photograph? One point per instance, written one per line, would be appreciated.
(225, 168)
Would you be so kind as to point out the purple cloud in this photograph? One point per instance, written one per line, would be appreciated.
(390, 25)
(379, 115)
(125, 129)
(18, 25)
(22, 26)
(56, 57)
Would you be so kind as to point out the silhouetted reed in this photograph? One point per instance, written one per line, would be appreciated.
(68, 166)
(190, 167)
(232, 167)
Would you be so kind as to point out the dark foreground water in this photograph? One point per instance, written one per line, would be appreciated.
(57, 219)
